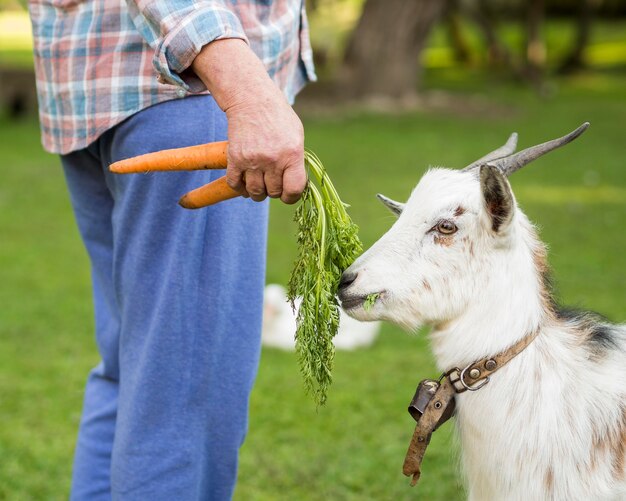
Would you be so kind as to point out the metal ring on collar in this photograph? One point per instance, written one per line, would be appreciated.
(468, 387)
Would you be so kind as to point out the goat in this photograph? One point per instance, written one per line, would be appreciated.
(464, 259)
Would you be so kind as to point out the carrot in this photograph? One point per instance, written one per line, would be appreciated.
(202, 156)
(209, 194)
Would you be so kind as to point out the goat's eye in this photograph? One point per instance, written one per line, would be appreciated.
(446, 227)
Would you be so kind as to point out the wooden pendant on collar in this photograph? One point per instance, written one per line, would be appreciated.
(434, 400)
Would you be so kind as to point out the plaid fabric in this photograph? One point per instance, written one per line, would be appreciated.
(99, 61)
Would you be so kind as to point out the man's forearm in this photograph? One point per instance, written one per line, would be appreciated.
(232, 73)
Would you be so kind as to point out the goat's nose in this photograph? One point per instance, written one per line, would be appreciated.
(347, 279)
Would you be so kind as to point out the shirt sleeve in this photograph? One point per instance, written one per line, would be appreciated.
(178, 29)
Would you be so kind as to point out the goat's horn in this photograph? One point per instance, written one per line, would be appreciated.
(503, 151)
(508, 165)
(392, 205)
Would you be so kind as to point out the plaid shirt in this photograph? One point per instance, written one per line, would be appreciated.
(99, 61)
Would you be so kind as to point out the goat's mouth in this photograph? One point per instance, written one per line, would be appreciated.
(365, 301)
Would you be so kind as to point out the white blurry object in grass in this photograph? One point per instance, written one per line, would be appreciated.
(279, 324)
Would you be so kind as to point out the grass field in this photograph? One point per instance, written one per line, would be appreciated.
(354, 447)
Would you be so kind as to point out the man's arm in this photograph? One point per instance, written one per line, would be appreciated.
(266, 138)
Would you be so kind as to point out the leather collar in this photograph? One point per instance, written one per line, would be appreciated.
(434, 400)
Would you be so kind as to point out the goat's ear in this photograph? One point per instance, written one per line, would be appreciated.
(392, 205)
(497, 197)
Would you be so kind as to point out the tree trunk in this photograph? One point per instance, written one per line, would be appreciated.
(497, 52)
(535, 45)
(574, 61)
(460, 46)
(382, 56)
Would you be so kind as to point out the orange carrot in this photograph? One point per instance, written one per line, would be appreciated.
(202, 156)
(209, 194)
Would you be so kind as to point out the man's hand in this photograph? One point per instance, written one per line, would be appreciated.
(265, 136)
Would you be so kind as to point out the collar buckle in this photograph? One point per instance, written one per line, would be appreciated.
(457, 378)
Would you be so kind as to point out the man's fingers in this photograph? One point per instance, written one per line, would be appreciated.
(255, 185)
(274, 183)
(235, 178)
(294, 182)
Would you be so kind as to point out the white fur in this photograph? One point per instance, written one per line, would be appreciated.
(551, 424)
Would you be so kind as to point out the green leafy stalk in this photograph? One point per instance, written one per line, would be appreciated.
(370, 300)
(327, 244)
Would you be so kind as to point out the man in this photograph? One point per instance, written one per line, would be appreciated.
(177, 293)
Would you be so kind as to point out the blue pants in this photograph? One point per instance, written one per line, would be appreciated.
(178, 306)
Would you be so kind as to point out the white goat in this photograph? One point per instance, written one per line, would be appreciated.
(464, 259)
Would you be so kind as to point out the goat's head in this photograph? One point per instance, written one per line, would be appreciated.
(456, 224)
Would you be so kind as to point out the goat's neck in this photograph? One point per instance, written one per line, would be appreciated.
(509, 305)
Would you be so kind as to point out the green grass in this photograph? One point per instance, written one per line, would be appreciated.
(354, 447)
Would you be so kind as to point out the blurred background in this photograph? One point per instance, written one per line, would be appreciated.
(403, 85)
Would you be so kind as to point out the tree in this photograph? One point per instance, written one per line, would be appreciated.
(574, 60)
(481, 12)
(535, 43)
(460, 46)
(382, 57)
